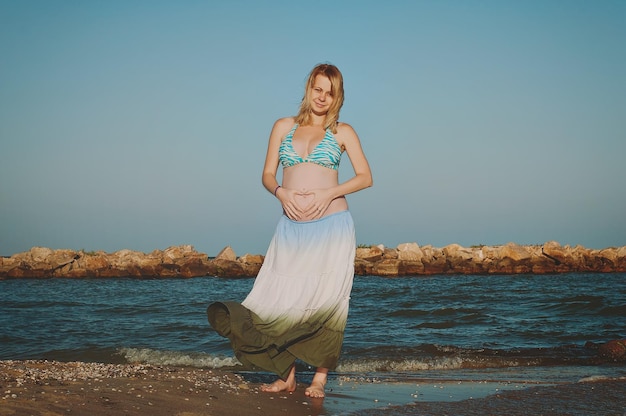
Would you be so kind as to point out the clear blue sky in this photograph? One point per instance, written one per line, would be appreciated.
(143, 124)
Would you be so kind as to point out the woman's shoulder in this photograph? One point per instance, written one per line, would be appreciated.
(346, 136)
(285, 123)
(344, 129)
(281, 128)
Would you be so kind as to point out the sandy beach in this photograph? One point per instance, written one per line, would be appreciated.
(56, 388)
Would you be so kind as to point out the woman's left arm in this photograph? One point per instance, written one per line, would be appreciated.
(362, 173)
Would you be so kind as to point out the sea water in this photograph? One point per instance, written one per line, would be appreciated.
(504, 328)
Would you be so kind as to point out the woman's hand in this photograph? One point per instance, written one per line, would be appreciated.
(320, 200)
(289, 200)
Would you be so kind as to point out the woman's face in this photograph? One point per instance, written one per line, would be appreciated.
(321, 96)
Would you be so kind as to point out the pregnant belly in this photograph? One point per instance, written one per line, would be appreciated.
(304, 200)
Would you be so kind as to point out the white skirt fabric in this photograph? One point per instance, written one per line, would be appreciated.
(309, 267)
(298, 306)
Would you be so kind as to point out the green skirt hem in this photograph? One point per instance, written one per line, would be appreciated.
(311, 342)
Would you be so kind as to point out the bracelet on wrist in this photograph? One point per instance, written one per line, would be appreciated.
(276, 189)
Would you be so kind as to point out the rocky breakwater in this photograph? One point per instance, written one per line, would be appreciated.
(407, 259)
(179, 261)
(511, 258)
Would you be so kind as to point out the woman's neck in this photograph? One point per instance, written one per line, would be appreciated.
(317, 121)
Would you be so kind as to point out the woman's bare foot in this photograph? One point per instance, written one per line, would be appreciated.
(315, 390)
(278, 386)
(288, 385)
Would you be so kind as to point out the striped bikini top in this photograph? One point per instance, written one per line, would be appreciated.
(327, 153)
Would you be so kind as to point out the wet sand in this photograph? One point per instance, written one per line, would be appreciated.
(598, 398)
(55, 388)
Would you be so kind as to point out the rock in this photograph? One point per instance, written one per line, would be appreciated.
(371, 254)
(409, 267)
(555, 252)
(608, 259)
(410, 252)
(228, 268)
(251, 263)
(251, 259)
(193, 268)
(40, 254)
(621, 258)
(614, 350)
(434, 260)
(515, 252)
(457, 253)
(387, 267)
(178, 253)
(390, 253)
(227, 253)
(462, 260)
(363, 267)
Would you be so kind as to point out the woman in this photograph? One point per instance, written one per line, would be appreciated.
(298, 306)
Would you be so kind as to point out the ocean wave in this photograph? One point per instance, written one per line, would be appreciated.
(597, 378)
(450, 357)
(346, 365)
(177, 358)
(410, 365)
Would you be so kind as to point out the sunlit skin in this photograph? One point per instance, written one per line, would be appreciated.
(310, 191)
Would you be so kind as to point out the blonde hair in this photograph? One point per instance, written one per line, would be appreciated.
(336, 89)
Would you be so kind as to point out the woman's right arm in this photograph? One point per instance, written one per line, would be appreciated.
(285, 196)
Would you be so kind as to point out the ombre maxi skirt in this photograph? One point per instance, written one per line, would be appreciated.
(298, 306)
